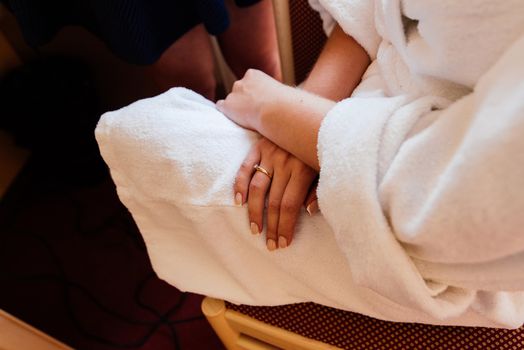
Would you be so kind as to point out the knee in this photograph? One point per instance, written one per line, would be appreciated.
(268, 62)
(188, 62)
(202, 81)
(197, 76)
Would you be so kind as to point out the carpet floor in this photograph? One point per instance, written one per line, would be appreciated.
(73, 264)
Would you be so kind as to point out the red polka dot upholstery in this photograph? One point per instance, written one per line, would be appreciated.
(348, 330)
(307, 35)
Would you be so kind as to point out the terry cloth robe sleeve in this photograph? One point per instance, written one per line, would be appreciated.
(355, 17)
(427, 200)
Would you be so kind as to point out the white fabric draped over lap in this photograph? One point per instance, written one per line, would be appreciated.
(421, 185)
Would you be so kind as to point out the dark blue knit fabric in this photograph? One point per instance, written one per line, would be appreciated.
(138, 31)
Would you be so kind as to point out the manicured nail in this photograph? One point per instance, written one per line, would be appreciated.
(271, 245)
(238, 199)
(312, 208)
(282, 242)
(254, 229)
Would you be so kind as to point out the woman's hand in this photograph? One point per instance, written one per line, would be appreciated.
(286, 188)
(249, 97)
(287, 116)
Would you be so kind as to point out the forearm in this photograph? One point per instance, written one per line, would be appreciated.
(291, 117)
(292, 121)
(339, 67)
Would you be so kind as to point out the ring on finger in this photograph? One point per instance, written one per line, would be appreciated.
(263, 171)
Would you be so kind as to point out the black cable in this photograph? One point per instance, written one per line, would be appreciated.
(68, 286)
(120, 215)
(165, 316)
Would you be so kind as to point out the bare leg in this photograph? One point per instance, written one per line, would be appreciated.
(188, 63)
(250, 41)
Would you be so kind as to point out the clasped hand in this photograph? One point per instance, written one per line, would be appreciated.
(289, 182)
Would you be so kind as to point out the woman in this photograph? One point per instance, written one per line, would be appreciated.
(420, 184)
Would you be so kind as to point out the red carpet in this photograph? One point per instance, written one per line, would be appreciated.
(73, 264)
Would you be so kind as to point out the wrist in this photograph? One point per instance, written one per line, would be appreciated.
(274, 108)
(273, 105)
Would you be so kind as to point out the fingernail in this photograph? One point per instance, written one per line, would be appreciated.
(271, 245)
(282, 242)
(238, 199)
(254, 229)
(312, 208)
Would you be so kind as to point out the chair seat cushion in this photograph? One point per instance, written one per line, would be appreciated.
(348, 330)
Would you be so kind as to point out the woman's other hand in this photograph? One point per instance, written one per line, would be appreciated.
(249, 96)
(286, 189)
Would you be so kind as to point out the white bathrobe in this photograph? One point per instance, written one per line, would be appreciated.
(421, 186)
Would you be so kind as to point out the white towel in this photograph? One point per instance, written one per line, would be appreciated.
(174, 158)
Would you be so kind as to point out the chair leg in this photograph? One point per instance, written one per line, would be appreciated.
(214, 310)
(283, 25)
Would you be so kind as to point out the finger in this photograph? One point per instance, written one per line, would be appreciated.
(244, 175)
(294, 196)
(220, 105)
(311, 196)
(313, 208)
(276, 193)
(224, 106)
(238, 85)
(258, 187)
(311, 202)
(237, 107)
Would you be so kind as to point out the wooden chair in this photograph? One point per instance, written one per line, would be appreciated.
(15, 335)
(238, 330)
(300, 38)
(311, 326)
